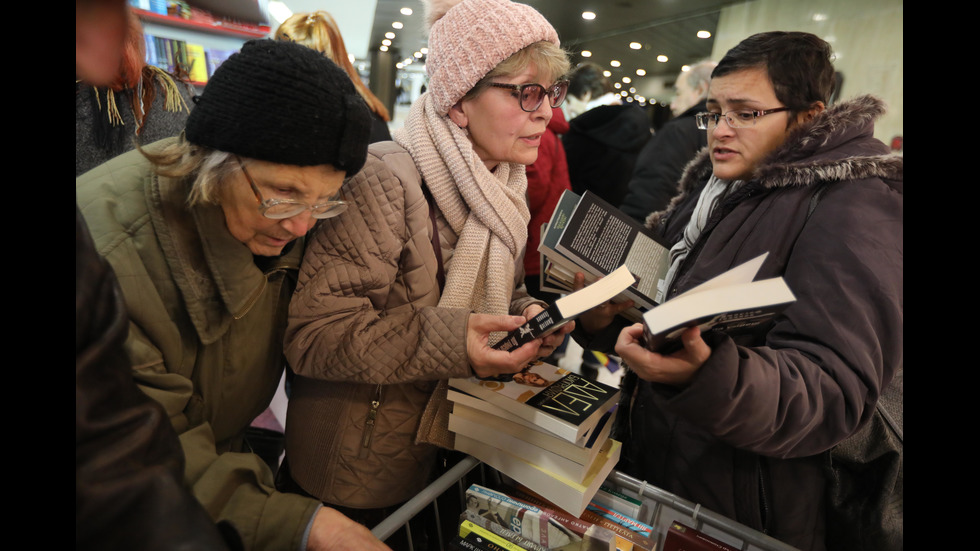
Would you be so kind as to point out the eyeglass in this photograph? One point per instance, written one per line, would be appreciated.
(735, 119)
(280, 209)
(531, 96)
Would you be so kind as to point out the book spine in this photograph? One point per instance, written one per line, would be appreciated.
(467, 528)
(621, 519)
(618, 501)
(527, 520)
(545, 322)
(502, 531)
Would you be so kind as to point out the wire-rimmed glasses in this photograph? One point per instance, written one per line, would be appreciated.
(280, 209)
(736, 119)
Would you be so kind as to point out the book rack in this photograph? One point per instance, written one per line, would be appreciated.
(662, 508)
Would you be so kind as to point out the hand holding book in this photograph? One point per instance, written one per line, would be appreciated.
(676, 368)
(490, 362)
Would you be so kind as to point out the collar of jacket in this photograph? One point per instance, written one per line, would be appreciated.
(838, 145)
(216, 273)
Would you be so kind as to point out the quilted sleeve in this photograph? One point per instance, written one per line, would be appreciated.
(365, 304)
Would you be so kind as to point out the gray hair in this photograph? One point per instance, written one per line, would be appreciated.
(700, 73)
(208, 167)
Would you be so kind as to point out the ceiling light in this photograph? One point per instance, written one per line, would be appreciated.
(279, 11)
(686, 68)
(406, 11)
(399, 65)
(640, 72)
(607, 74)
(383, 48)
(614, 63)
(624, 93)
(424, 51)
(816, 16)
(397, 25)
(662, 58)
(704, 34)
(418, 55)
(617, 85)
(389, 34)
(632, 90)
(386, 42)
(635, 45)
(586, 53)
(588, 15)
(627, 80)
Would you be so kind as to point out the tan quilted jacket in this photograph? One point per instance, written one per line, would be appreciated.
(364, 329)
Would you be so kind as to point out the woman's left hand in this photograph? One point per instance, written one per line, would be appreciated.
(675, 369)
(550, 343)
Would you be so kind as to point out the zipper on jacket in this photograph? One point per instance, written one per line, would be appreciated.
(763, 494)
(369, 424)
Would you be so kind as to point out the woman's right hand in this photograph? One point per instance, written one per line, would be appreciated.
(487, 362)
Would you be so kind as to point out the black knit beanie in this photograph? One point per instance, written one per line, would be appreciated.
(285, 103)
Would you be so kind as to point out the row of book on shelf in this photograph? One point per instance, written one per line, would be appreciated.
(549, 429)
(184, 58)
(515, 518)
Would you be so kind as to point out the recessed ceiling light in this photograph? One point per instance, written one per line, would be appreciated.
(397, 25)
(617, 85)
(588, 15)
(424, 51)
(383, 48)
(640, 72)
(662, 58)
(627, 80)
(586, 53)
(819, 17)
(704, 34)
(686, 68)
(389, 35)
(614, 63)
(406, 11)
(624, 93)
(418, 55)
(386, 42)
(607, 74)
(635, 45)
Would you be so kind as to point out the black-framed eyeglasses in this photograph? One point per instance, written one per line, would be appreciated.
(736, 119)
(531, 96)
(280, 209)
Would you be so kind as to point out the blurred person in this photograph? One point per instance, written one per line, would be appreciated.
(140, 104)
(205, 232)
(604, 140)
(413, 284)
(750, 420)
(319, 31)
(661, 162)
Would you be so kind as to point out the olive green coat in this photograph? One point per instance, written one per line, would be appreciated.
(205, 338)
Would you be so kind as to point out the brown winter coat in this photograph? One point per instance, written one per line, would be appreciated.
(364, 327)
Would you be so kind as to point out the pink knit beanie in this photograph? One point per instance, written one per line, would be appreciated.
(468, 38)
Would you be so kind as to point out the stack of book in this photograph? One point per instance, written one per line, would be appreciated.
(547, 428)
(517, 519)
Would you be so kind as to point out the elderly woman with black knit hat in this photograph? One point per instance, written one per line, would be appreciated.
(411, 286)
(205, 233)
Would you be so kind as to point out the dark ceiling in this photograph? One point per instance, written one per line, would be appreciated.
(661, 27)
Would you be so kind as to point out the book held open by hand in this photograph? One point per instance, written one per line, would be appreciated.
(731, 302)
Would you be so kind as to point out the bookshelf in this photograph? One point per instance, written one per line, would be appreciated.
(209, 36)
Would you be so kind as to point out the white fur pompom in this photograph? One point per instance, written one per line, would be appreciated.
(435, 9)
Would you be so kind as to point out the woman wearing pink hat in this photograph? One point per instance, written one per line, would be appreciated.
(413, 284)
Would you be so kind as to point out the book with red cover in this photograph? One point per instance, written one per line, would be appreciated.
(681, 537)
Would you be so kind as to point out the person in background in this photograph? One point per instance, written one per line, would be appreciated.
(319, 31)
(663, 158)
(547, 179)
(743, 425)
(205, 232)
(603, 140)
(140, 104)
(413, 284)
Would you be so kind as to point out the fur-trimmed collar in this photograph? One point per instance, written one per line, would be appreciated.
(837, 145)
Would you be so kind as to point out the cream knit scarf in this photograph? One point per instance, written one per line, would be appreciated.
(487, 210)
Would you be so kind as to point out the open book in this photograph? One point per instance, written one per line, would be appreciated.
(586, 234)
(731, 302)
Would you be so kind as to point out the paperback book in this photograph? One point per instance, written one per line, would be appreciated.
(731, 302)
(567, 308)
(681, 537)
(556, 400)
